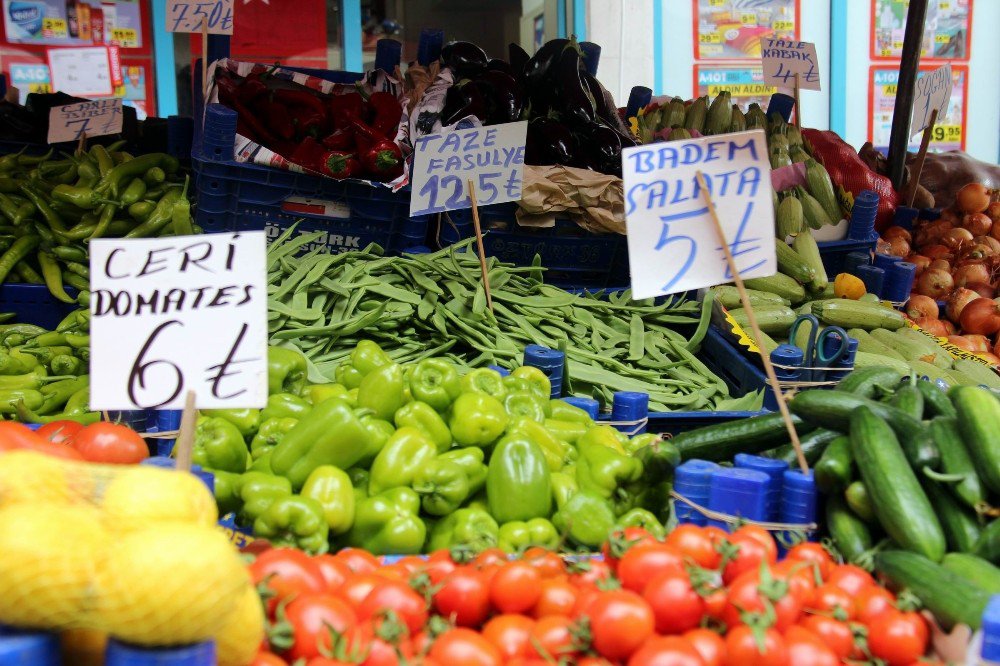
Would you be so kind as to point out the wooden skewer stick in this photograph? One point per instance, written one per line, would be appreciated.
(185, 438)
(204, 55)
(81, 146)
(798, 107)
(752, 318)
(918, 164)
(479, 244)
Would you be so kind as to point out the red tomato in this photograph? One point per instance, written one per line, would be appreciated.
(589, 572)
(898, 638)
(829, 598)
(516, 588)
(463, 597)
(759, 534)
(667, 651)
(399, 597)
(110, 443)
(510, 635)
(16, 436)
(753, 593)
(489, 557)
(622, 540)
(742, 648)
(695, 544)
(268, 659)
(527, 661)
(814, 553)
(620, 621)
(334, 571)
(709, 645)
(677, 607)
(715, 603)
(591, 661)
(850, 578)
(412, 563)
(640, 565)
(800, 577)
(871, 602)
(557, 597)
(357, 587)
(394, 571)
(358, 560)
(59, 432)
(806, 649)
(464, 647)
(311, 617)
(552, 637)
(548, 563)
(438, 565)
(585, 596)
(750, 551)
(365, 642)
(287, 572)
(835, 634)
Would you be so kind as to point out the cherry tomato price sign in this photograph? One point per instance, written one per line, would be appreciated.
(178, 314)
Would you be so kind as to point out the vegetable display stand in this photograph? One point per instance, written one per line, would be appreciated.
(725, 360)
(33, 304)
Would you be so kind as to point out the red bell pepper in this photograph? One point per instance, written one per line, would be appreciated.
(346, 108)
(340, 164)
(303, 98)
(388, 112)
(308, 154)
(251, 90)
(278, 120)
(380, 156)
(341, 139)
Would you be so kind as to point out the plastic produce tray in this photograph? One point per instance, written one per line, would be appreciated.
(725, 360)
(833, 253)
(33, 304)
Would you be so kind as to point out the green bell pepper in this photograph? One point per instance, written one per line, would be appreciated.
(359, 480)
(247, 421)
(524, 404)
(422, 416)
(396, 465)
(659, 458)
(472, 530)
(435, 381)
(448, 480)
(564, 485)
(317, 393)
(644, 519)
(331, 487)
(330, 434)
(538, 380)
(226, 488)
(389, 523)
(477, 419)
(270, 433)
(294, 521)
(284, 405)
(348, 376)
(518, 486)
(366, 358)
(381, 391)
(262, 464)
(558, 453)
(257, 491)
(484, 381)
(218, 445)
(604, 470)
(587, 518)
(379, 432)
(518, 536)
(605, 436)
(568, 431)
(286, 370)
(563, 411)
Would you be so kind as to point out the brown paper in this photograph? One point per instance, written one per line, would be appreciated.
(592, 200)
(418, 79)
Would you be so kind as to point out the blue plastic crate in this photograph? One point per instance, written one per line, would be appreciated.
(833, 253)
(724, 359)
(33, 304)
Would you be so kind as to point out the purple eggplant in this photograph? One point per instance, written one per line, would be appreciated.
(518, 58)
(538, 67)
(503, 97)
(466, 59)
(572, 99)
(463, 99)
(549, 142)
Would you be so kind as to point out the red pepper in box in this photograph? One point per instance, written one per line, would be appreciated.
(388, 112)
(340, 164)
(308, 154)
(305, 98)
(380, 156)
(307, 123)
(279, 121)
(341, 139)
(344, 109)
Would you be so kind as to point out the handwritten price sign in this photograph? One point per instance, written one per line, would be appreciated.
(189, 15)
(933, 92)
(172, 315)
(97, 118)
(672, 243)
(493, 157)
(784, 58)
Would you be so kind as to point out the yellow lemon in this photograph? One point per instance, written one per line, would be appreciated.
(140, 496)
(239, 638)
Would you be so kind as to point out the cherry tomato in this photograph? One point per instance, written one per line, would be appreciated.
(677, 607)
(709, 645)
(59, 432)
(357, 587)
(464, 597)
(850, 578)
(548, 563)
(871, 602)
(516, 588)
(334, 571)
(399, 597)
(829, 598)
(667, 651)
(806, 649)
(585, 596)
(358, 560)
(412, 563)
(814, 553)
(640, 565)
(557, 597)
(589, 572)
(898, 638)
(750, 552)
(742, 648)
(510, 635)
(552, 636)
(752, 593)
(620, 621)
(311, 617)
(110, 443)
(835, 634)
(464, 647)
(286, 572)
(695, 544)
(370, 643)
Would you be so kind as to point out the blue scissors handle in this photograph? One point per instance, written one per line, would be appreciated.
(809, 351)
(840, 343)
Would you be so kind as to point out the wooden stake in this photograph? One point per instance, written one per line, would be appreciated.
(185, 438)
(81, 146)
(758, 337)
(479, 244)
(918, 164)
(204, 56)
(798, 109)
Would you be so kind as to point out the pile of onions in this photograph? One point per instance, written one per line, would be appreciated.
(973, 198)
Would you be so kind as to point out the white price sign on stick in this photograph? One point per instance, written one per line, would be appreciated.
(492, 157)
(672, 243)
(189, 15)
(97, 118)
(933, 91)
(784, 58)
(172, 315)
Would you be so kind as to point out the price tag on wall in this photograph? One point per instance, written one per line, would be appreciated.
(97, 118)
(933, 91)
(172, 315)
(672, 243)
(784, 58)
(188, 16)
(493, 157)
(81, 72)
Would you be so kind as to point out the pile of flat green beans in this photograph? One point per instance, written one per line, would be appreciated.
(422, 305)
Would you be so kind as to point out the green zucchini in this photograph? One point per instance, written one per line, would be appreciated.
(813, 445)
(833, 470)
(860, 501)
(978, 421)
(805, 245)
(729, 297)
(950, 597)
(855, 314)
(772, 319)
(909, 399)
(955, 459)
(961, 530)
(979, 373)
(868, 360)
(850, 534)
(724, 440)
(899, 502)
(933, 352)
(869, 345)
(932, 372)
(867, 382)
(936, 402)
(779, 284)
(988, 546)
(974, 569)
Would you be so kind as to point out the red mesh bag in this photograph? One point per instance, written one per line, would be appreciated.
(849, 172)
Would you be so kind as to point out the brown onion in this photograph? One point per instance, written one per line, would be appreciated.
(980, 343)
(920, 261)
(956, 236)
(989, 240)
(972, 198)
(896, 232)
(961, 342)
(949, 328)
(971, 271)
(993, 211)
(991, 357)
(983, 289)
(921, 306)
(977, 224)
(933, 326)
(957, 301)
(978, 251)
(935, 283)
(937, 251)
(941, 265)
(981, 316)
(899, 247)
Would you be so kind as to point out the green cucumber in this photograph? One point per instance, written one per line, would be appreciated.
(988, 546)
(978, 373)
(869, 345)
(813, 445)
(833, 470)
(909, 399)
(978, 421)
(866, 382)
(860, 501)
(936, 402)
(850, 534)
(724, 440)
(899, 502)
(955, 459)
(961, 530)
(950, 597)
(974, 569)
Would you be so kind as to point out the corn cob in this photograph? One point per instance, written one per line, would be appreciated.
(788, 218)
(695, 117)
(738, 122)
(821, 187)
(720, 114)
(812, 211)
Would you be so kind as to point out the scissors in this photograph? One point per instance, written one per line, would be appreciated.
(815, 353)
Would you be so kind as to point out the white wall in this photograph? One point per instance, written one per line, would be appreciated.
(624, 31)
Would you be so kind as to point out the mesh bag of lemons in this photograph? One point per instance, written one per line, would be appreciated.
(131, 552)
